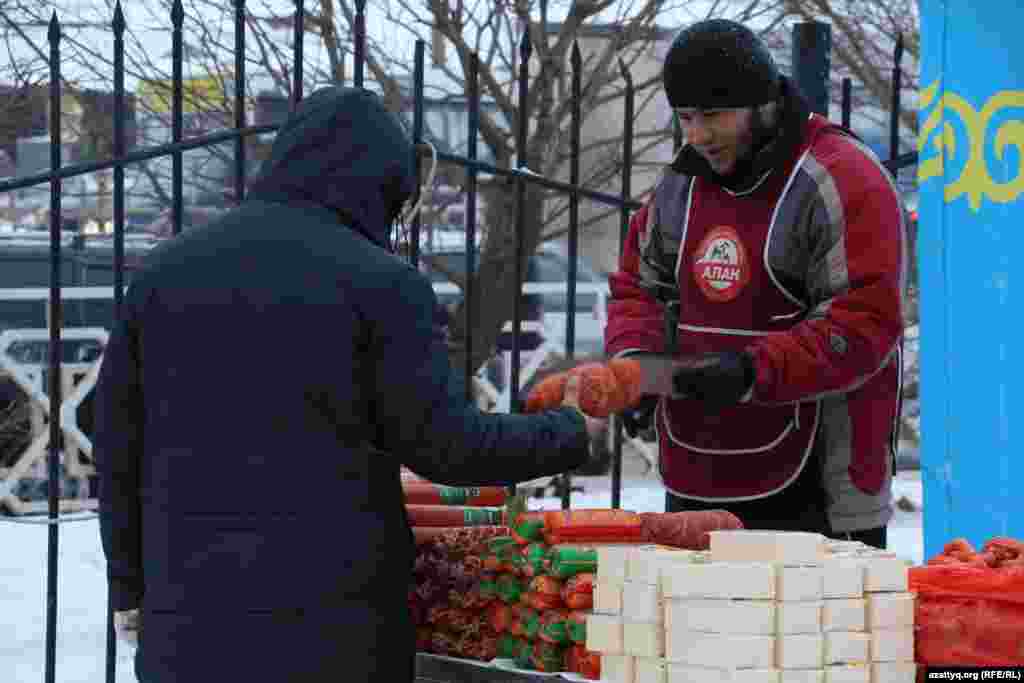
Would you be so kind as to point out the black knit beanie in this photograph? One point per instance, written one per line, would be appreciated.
(719, 64)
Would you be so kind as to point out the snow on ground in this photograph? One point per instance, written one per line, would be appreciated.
(82, 593)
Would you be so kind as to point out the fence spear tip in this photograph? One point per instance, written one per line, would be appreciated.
(53, 33)
(177, 14)
(525, 46)
(118, 23)
(576, 58)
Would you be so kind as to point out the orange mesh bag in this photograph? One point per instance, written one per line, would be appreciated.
(578, 591)
(541, 601)
(600, 525)
(599, 390)
(628, 374)
(547, 393)
(969, 613)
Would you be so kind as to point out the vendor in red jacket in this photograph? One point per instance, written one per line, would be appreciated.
(773, 250)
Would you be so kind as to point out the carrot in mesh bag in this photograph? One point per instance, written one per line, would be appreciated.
(546, 585)
(546, 656)
(499, 615)
(541, 601)
(968, 614)
(598, 525)
(529, 619)
(510, 588)
(471, 645)
(506, 553)
(554, 626)
(578, 591)
(577, 625)
(509, 646)
(580, 660)
(528, 527)
(426, 493)
(535, 559)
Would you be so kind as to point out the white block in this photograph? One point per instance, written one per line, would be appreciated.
(798, 617)
(642, 602)
(682, 673)
(886, 574)
(889, 610)
(843, 578)
(799, 583)
(843, 647)
(806, 651)
(785, 547)
(835, 545)
(741, 617)
(893, 672)
(604, 634)
(607, 597)
(720, 650)
(803, 676)
(650, 670)
(847, 674)
(617, 668)
(892, 645)
(844, 615)
(643, 565)
(611, 562)
(643, 639)
(720, 580)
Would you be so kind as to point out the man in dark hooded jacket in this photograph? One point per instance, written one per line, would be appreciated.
(269, 375)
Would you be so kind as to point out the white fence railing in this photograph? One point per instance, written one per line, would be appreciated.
(77, 387)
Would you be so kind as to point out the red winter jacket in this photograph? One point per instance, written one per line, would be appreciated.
(838, 238)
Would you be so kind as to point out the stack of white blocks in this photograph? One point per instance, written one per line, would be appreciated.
(759, 607)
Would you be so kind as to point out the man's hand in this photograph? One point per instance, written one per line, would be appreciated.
(640, 417)
(718, 379)
(571, 399)
(127, 625)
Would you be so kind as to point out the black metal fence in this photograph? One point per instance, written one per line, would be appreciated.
(522, 176)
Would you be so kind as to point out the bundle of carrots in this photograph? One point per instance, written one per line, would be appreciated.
(996, 553)
(434, 509)
(605, 388)
(970, 605)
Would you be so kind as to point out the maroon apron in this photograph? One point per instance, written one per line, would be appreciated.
(728, 299)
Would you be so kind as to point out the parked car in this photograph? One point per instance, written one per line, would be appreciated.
(547, 268)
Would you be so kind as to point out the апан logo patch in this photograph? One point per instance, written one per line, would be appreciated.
(720, 266)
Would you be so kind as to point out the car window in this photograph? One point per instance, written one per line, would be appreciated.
(555, 268)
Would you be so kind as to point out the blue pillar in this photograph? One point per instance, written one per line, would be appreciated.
(970, 251)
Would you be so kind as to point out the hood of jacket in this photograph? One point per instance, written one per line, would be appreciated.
(343, 150)
(771, 146)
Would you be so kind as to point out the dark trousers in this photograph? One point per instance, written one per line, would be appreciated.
(801, 506)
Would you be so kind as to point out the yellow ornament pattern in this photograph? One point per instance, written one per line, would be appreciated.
(974, 180)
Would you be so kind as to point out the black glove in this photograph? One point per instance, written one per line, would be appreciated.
(718, 379)
(640, 417)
